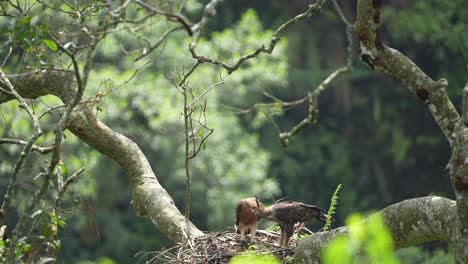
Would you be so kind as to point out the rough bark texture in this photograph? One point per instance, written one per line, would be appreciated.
(40, 83)
(390, 61)
(150, 199)
(410, 222)
(434, 94)
(459, 176)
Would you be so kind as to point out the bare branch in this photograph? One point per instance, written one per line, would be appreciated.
(158, 43)
(42, 150)
(341, 15)
(314, 8)
(64, 188)
(311, 118)
(188, 178)
(465, 105)
(173, 17)
(205, 93)
(26, 149)
(208, 11)
(201, 144)
(10, 49)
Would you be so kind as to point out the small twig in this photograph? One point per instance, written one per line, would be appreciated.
(58, 131)
(173, 17)
(465, 105)
(2, 232)
(205, 92)
(272, 121)
(26, 149)
(187, 158)
(208, 11)
(64, 188)
(158, 43)
(42, 150)
(10, 49)
(185, 76)
(202, 142)
(341, 14)
(316, 7)
(285, 137)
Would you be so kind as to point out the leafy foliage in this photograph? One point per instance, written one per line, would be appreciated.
(255, 259)
(371, 135)
(367, 242)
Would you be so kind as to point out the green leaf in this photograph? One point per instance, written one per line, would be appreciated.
(60, 222)
(63, 169)
(24, 21)
(52, 46)
(105, 260)
(200, 134)
(254, 259)
(26, 248)
(366, 242)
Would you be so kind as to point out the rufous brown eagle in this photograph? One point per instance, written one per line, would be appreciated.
(246, 216)
(289, 213)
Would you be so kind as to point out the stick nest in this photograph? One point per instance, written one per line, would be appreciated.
(220, 247)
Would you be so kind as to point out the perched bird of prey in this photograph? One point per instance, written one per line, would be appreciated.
(288, 213)
(246, 216)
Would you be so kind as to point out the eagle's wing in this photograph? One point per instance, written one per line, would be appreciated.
(295, 212)
(285, 212)
(314, 212)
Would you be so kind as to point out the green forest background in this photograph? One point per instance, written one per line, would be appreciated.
(372, 136)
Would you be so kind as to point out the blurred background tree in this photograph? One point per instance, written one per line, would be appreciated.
(380, 143)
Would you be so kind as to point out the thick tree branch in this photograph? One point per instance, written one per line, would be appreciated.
(434, 93)
(458, 166)
(465, 105)
(39, 83)
(390, 61)
(410, 222)
(150, 199)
